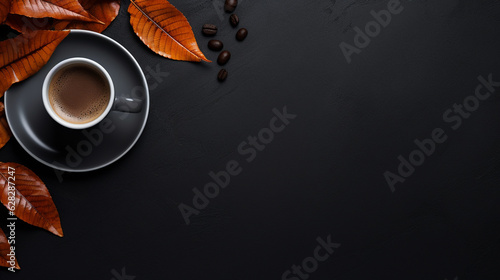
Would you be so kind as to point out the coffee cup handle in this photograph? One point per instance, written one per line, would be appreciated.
(127, 105)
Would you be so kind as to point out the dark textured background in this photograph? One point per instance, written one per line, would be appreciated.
(323, 175)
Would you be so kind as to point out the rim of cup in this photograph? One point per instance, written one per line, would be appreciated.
(55, 70)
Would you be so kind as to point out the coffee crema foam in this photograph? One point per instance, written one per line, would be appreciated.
(79, 93)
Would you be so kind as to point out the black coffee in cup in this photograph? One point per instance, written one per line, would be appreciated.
(79, 93)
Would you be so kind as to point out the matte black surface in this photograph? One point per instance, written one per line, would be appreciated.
(322, 175)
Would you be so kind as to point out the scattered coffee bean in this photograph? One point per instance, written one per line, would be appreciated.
(230, 5)
(241, 34)
(209, 29)
(215, 45)
(222, 75)
(223, 57)
(234, 20)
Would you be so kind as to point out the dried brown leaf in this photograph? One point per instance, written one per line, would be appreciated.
(58, 9)
(24, 55)
(105, 11)
(164, 29)
(5, 250)
(5, 133)
(24, 24)
(33, 203)
(4, 10)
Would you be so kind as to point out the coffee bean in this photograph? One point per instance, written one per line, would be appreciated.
(241, 34)
(234, 20)
(223, 57)
(230, 5)
(222, 75)
(215, 45)
(209, 29)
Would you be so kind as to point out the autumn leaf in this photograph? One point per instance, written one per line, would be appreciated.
(58, 9)
(4, 10)
(24, 24)
(24, 55)
(4, 250)
(33, 203)
(164, 29)
(105, 11)
(5, 132)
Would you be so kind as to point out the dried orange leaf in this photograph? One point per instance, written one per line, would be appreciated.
(24, 24)
(5, 251)
(5, 132)
(33, 203)
(164, 29)
(4, 10)
(24, 55)
(103, 10)
(58, 9)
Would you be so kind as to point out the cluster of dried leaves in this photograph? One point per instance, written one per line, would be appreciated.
(43, 25)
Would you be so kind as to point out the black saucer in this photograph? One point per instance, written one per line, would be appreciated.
(92, 148)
